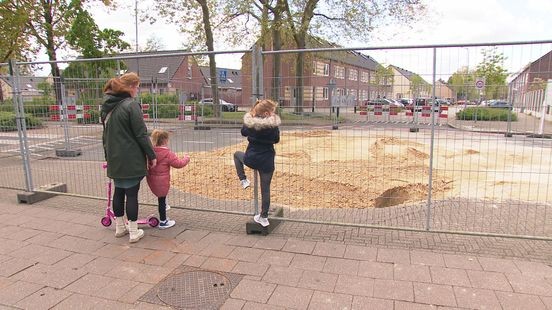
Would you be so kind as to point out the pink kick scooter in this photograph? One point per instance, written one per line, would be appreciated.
(106, 221)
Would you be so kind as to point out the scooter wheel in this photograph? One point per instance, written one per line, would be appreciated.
(106, 221)
(153, 221)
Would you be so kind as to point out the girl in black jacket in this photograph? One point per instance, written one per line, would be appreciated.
(260, 126)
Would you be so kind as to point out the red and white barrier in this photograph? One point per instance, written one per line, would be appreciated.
(187, 113)
(74, 112)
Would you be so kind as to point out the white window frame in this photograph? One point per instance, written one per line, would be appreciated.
(353, 77)
(339, 72)
(325, 92)
(364, 77)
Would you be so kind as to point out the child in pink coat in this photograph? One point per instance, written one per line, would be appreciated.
(159, 177)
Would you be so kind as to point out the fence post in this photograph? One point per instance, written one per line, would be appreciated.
(21, 125)
(67, 151)
(256, 74)
(431, 149)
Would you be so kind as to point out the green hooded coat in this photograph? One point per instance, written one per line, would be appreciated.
(125, 139)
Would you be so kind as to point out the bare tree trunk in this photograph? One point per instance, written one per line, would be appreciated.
(212, 62)
(276, 46)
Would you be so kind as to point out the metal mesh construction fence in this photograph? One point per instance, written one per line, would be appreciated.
(423, 138)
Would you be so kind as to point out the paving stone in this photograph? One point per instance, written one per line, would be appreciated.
(9, 246)
(45, 299)
(434, 294)
(476, 298)
(158, 258)
(498, 265)
(75, 244)
(530, 284)
(391, 289)
(329, 249)
(45, 237)
(15, 265)
(489, 280)
(152, 274)
(53, 276)
(192, 248)
(547, 301)
(177, 260)
(18, 233)
(256, 306)
(219, 264)
(126, 270)
(277, 258)
(217, 250)
(232, 304)
(136, 255)
(418, 273)
(354, 285)
(291, 297)
(195, 260)
(394, 256)
(462, 262)
(254, 269)
(75, 261)
(89, 284)
(308, 262)
(135, 293)
(426, 258)
(270, 244)
(78, 301)
(253, 290)
(360, 252)
(111, 250)
(100, 265)
(375, 270)
(299, 246)
(41, 254)
(403, 305)
(368, 303)
(4, 281)
(341, 266)
(11, 294)
(330, 301)
(318, 281)
(246, 254)
(450, 276)
(192, 235)
(534, 268)
(283, 275)
(515, 301)
(243, 241)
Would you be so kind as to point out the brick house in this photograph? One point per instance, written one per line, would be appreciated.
(229, 81)
(526, 89)
(168, 74)
(345, 72)
(407, 84)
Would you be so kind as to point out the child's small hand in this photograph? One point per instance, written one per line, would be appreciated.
(152, 163)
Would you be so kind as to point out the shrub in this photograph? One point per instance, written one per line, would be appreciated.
(486, 114)
(8, 123)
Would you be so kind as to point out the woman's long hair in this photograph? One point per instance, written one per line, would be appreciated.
(159, 137)
(122, 84)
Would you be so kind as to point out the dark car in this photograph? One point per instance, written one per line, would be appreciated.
(224, 106)
(499, 104)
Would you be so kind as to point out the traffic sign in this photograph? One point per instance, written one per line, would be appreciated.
(480, 83)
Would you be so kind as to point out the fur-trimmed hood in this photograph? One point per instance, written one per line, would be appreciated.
(259, 123)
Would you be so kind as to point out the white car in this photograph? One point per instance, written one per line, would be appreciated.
(225, 106)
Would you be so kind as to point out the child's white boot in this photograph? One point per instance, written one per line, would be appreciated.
(120, 227)
(135, 234)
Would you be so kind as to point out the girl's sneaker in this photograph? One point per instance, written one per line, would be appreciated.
(261, 220)
(245, 183)
(166, 224)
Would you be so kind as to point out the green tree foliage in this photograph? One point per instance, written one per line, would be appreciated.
(492, 70)
(418, 85)
(462, 82)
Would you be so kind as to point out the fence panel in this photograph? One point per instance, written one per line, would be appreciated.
(361, 144)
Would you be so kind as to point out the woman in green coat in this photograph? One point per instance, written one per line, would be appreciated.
(126, 146)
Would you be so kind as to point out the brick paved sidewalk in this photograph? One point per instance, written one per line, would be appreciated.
(53, 258)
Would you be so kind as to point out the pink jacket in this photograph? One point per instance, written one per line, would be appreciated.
(159, 177)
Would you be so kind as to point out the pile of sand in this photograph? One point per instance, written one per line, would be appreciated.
(357, 169)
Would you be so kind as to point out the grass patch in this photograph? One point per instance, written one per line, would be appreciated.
(485, 114)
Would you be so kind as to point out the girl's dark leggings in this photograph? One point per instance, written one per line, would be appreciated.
(266, 179)
(162, 207)
(131, 202)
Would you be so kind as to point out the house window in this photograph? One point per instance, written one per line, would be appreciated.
(364, 77)
(339, 72)
(325, 93)
(353, 74)
(189, 70)
(320, 68)
(373, 79)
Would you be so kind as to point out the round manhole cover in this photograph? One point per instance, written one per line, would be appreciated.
(195, 289)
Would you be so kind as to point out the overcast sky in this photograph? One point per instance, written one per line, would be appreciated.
(448, 21)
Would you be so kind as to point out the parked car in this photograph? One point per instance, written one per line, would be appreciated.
(225, 106)
(500, 104)
(420, 102)
(384, 101)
